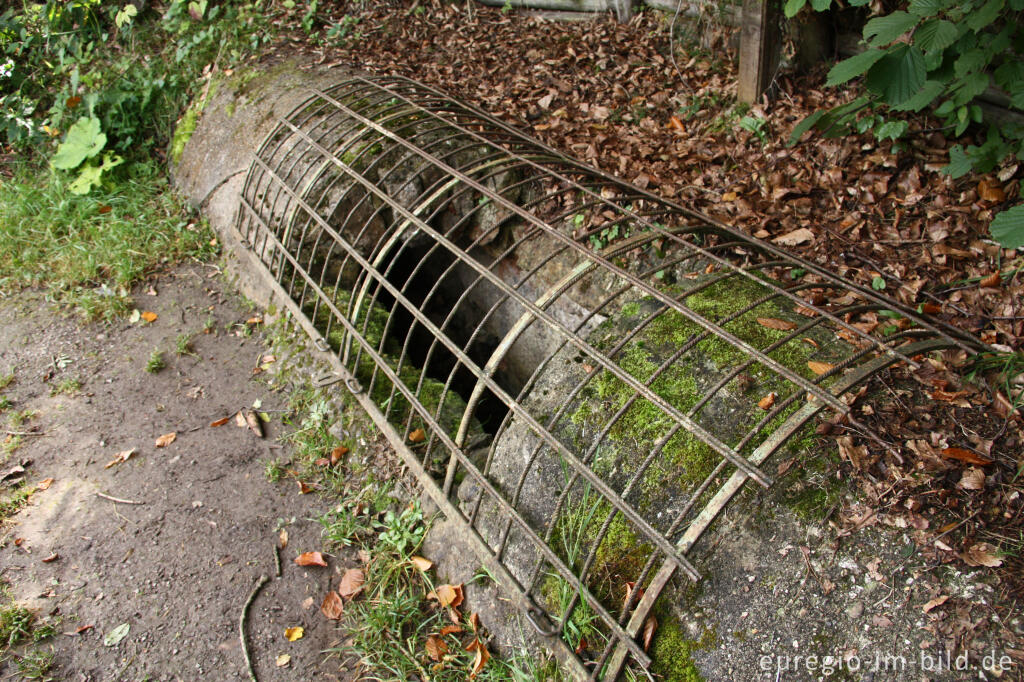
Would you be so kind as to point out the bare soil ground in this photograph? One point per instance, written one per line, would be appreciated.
(179, 566)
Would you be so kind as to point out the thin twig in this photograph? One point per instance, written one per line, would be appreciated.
(241, 625)
(117, 499)
(277, 560)
(25, 433)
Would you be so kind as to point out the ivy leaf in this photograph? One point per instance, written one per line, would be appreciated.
(935, 34)
(853, 66)
(883, 30)
(792, 7)
(925, 96)
(898, 76)
(1007, 227)
(988, 13)
(84, 141)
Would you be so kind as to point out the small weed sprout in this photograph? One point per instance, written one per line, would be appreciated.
(273, 470)
(68, 386)
(6, 380)
(183, 345)
(156, 361)
(35, 665)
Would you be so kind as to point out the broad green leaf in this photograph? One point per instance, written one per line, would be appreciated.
(90, 176)
(969, 62)
(1007, 227)
(959, 164)
(853, 66)
(804, 125)
(966, 89)
(988, 13)
(935, 34)
(926, 8)
(821, 5)
(125, 15)
(891, 130)
(925, 96)
(792, 7)
(883, 30)
(898, 76)
(1016, 5)
(84, 141)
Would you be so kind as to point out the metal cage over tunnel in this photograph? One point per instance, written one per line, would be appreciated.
(575, 368)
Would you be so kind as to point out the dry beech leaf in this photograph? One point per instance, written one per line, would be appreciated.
(310, 559)
(436, 648)
(332, 606)
(931, 308)
(166, 439)
(253, 422)
(482, 656)
(240, 420)
(282, 661)
(855, 454)
(50, 559)
(773, 323)
(351, 583)
(676, 124)
(989, 191)
(322, 462)
(972, 479)
(122, 456)
(283, 537)
(965, 456)
(650, 625)
(766, 402)
(795, 238)
(993, 281)
(417, 436)
(421, 563)
(981, 554)
(820, 367)
(451, 629)
(219, 422)
(938, 601)
(447, 595)
(148, 316)
(337, 453)
(44, 484)
(305, 489)
(474, 621)
(292, 634)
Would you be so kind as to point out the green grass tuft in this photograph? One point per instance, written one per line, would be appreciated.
(87, 251)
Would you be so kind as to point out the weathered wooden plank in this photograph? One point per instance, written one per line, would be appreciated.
(759, 48)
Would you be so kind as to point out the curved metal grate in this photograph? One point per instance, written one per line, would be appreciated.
(505, 312)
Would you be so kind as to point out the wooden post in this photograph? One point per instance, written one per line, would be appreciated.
(759, 48)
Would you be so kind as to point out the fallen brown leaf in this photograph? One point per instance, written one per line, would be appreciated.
(421, 563)
(44, 484)
(482, 656)
(965, 456)
(337, 453)
(795, 237)
(253, 422)
(447, 595)
(820, 367)
(166, 439)
(240, 420)
(436, 648)
(148, 316)
(305, 489)
(981, 554)
(766, 402)
(972, 479)
(417, 436)
(219, 422)
(451, 629)
(282, 661)
(773, 323)
(294, 633)
(991, 282)
(310, 559)
(283, 537)
(650, 625)
(351, 583)
(120, 457)
(938, 601)
(50, 559)
(332, 606)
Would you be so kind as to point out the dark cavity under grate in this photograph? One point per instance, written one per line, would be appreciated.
(557, 352)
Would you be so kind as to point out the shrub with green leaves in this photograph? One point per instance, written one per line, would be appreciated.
(942, 54)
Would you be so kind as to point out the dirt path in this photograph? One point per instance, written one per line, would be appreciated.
(178, 567)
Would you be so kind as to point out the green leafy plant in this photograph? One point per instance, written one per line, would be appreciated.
(156, 362)
(942, 54)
